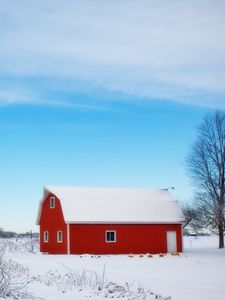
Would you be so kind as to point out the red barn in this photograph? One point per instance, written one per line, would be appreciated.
(77, 220)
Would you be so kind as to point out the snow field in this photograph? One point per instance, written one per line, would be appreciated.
(196, 274)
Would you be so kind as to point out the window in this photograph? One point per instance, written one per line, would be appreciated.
(110, 236)
(45, 236)
(52, 202)
(59, 236)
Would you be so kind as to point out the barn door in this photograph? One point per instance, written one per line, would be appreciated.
(171, 241)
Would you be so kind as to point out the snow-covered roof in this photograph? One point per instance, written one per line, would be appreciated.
(115, 205)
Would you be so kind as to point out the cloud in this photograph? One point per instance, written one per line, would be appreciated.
(148, 49)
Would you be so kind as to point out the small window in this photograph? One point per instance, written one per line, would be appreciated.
(59, 236)
(110, 236)
(45, 236)
(52, 202)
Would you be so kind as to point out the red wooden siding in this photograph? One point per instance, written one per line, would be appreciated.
(134, 238)
(90, 238)
(52, 220)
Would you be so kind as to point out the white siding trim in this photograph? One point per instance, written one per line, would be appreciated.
(182, 238)
(68, 238)
(125, 222)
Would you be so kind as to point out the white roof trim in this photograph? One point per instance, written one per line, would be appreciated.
(115, 205)
(46, 192)
(118, 222)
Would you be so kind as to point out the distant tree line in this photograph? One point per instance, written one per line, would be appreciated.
(10, 234)
(7, 234)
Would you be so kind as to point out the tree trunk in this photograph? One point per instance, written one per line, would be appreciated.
(221, 235)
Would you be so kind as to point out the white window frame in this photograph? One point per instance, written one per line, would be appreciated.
(114, 236)
(58, 236)
(52, 202)
(46, 237)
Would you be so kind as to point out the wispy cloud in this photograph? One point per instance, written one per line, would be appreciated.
(153, 49)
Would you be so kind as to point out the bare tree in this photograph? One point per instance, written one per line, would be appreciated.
(206, 165)
(194, 219)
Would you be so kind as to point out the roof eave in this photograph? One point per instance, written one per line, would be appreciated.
(125, 222)
(46, 191)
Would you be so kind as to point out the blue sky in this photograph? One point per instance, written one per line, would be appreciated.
(103, 93)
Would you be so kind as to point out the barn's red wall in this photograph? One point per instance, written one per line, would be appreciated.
(90, 238)
(139, 238)
(52, 220)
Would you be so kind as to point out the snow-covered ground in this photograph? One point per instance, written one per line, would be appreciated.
(196, 274)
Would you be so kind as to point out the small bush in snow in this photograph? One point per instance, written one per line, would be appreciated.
(93, 284)
(13, 278)
(86, 280)
(20, 244)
